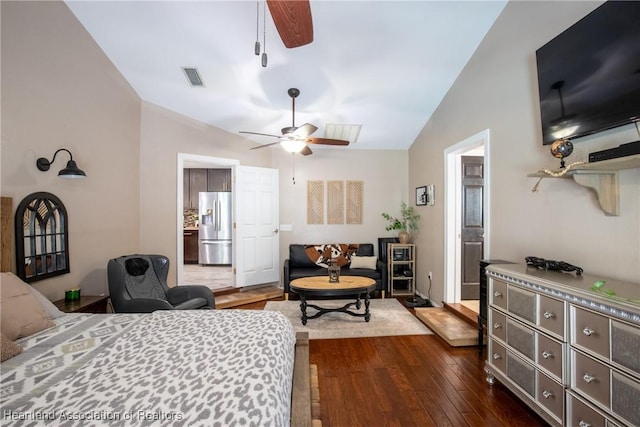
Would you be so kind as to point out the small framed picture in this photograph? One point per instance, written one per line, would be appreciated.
(421, 196)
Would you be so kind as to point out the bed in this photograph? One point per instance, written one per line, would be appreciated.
(192, 367)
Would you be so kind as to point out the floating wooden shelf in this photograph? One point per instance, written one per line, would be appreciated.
(601, 177)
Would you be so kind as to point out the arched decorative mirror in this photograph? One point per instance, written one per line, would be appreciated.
(42, 241)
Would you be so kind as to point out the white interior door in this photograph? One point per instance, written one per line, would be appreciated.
(256, 212)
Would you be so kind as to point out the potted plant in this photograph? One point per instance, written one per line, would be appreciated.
(407, 222)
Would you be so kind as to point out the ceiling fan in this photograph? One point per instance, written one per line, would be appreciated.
(295, 139)
(293, 21)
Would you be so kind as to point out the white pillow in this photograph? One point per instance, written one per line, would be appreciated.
(50, 309)
(368, 262)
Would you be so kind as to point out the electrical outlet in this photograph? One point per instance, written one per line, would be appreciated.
(430, 276)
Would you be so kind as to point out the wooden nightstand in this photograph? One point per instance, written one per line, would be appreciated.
(86, 304)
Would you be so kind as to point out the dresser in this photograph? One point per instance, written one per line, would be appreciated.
(483, 305)
(571, 353)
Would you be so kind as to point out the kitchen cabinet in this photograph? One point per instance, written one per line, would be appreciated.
(197, 184)
(218, 179)
(186, 199)
(203, 180)
(194, 182)
(190, 237)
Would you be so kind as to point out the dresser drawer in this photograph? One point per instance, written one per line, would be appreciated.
(551, 316)
(590, 377)
(550, 394)
(625, 397)
(590, 331)
(521, 373)
(498, 294)
(580, 414)
(497, 356)
(625, 346)
(550, 356)
(498, 325)
(521, 338)
(522, 303)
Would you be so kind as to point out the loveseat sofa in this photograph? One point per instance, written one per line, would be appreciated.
(310, 260)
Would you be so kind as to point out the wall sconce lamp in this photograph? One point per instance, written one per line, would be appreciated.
(71, 171)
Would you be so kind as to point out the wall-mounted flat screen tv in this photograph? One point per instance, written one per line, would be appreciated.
(589, 75)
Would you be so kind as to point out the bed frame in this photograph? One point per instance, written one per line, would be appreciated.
(301, 389)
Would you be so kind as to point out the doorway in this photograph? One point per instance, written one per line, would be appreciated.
(216, 277)
(476, 145)
(471, 224)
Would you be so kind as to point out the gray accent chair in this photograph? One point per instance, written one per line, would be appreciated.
(138, 284)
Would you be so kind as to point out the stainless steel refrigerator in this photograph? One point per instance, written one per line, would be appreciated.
(215, 228)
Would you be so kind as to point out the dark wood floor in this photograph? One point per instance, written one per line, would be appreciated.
(416, 380)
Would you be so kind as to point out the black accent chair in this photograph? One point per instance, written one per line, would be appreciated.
(138, 284)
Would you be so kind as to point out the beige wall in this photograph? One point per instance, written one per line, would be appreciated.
(498, 91)
(60, 91)
(384, 174)
(164, 134)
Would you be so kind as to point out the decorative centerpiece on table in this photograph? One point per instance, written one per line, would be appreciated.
(334, 271)
(408, 221)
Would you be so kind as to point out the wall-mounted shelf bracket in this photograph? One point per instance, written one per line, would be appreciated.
(605, 184)
(601, 177)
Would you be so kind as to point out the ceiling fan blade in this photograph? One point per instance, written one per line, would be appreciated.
(305, 131)
(265, 145)
(292, 18)
(327, 141)
(306, 151)
(261, 134)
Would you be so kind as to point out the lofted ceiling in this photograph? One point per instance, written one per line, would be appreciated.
(385, 65)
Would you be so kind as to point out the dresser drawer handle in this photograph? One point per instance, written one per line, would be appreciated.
(548, 315)
(547, 394)
(497, 294)
(588, 331)
(588, 378)
(547, 354)
(497, 325)
(584, 424)
(497, 356)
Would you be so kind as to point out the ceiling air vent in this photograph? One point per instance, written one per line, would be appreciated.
(193, 76)
(340, 131)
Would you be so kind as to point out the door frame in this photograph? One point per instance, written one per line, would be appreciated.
(186, 160)
(452, 221)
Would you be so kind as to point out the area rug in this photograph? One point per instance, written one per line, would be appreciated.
(388, 318)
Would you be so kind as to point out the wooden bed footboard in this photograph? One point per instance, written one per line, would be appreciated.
(301, 390)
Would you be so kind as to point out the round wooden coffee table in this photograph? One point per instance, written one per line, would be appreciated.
(319, 286)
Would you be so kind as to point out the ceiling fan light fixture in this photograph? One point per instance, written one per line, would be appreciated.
(293, 146)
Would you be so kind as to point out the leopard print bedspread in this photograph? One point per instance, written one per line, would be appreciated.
(202, 367)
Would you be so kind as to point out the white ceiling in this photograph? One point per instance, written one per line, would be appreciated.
(383, 64)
